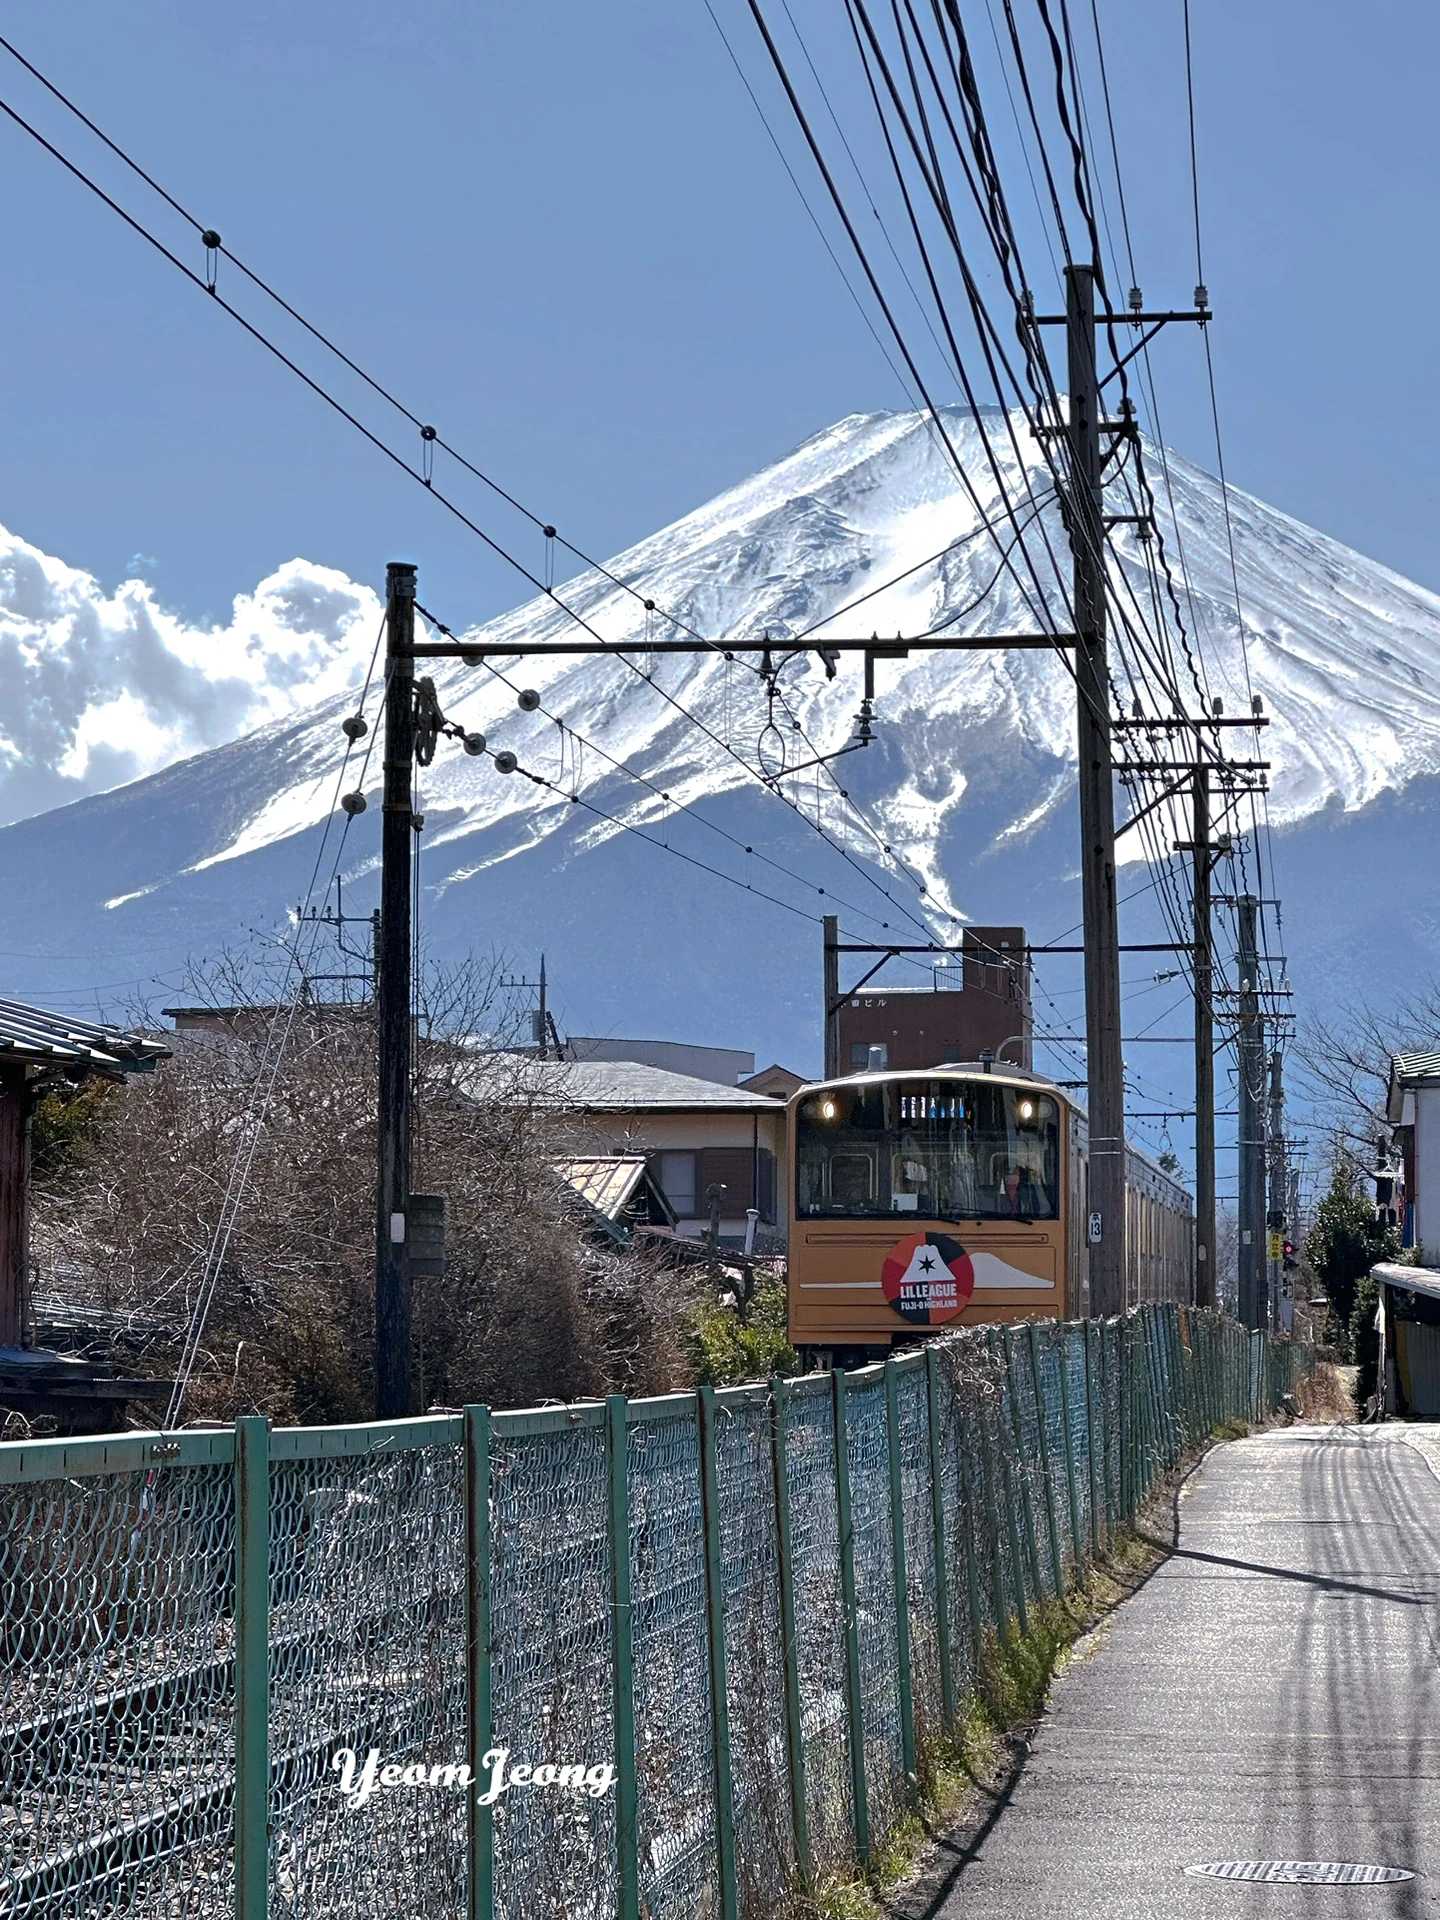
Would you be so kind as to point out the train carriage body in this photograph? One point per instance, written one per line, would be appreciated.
(957, 1195)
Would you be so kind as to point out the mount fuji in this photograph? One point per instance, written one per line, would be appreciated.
(677, 895)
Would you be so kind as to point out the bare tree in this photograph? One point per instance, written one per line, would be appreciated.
(1344, 1067)
(531, 1308)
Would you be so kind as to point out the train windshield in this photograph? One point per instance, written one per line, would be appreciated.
(939, 1149)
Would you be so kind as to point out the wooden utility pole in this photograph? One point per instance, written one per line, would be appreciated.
(1105, 1064)
(1254, 1303)
(1205, 1280)
(831, 1000)
(1275, 1209)
(393, 1386)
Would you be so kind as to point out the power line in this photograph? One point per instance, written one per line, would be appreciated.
(451, 506)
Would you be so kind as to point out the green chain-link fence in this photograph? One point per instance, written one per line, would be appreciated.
(757, 1605)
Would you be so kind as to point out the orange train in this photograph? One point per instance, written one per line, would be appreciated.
(955, 1195)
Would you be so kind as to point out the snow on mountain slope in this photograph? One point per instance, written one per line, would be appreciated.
(968, 780)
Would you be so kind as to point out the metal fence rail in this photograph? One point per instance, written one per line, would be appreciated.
(760, 1607)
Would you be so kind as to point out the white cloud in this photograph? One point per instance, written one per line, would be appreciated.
(99, 686)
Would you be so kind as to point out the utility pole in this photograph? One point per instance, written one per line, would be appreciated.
(1206, 1282)
(393, 1388)
(831, 1002)
(1254, 1302)
(1275, 1214)
(1105, 1064)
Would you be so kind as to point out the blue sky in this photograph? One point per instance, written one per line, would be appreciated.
(561, 231)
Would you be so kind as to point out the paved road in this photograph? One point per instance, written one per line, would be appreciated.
(1273, 1691)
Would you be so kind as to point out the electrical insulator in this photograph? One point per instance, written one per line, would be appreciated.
(1217, 706)
(1027, 303)
(528, 700)
(1202, 298)
(353, 802)
(505, 762)
(1136, 300)
(417, 821)
(1257, 705)
(355, 726)
(1137, 711)
(474, 743)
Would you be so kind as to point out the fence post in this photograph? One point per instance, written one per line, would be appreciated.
(900, 1572)
(853, 1697)
(1057, 1558)
(1149, 1402)
(1108, 1446)
(1017, 1566)
(715, 1624)
(252, 1667)
(973, 1508)
(1176, 1372)
(1071, 1486)
(1095, 1432)
(627, 1815)
(1127, 1421)
(480, 1825)
(785, 1558)
(1000, 1606)
(937, 1536)
(1022, 1468)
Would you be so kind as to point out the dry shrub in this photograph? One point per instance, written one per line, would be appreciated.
(530, 1309)
(1324, 1396)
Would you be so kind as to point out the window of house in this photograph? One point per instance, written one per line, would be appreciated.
(860, 1051)
(678, 1183)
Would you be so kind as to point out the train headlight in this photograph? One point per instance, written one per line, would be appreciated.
(1026, 1110)
(829, 1110)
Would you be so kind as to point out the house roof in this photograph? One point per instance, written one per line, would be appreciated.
(775, 1075)
(34, 1037)
(616, 1086)
(607, 1182)
(1408, 1070)
(1413, 1279)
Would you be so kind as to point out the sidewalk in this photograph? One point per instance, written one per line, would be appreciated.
(1272, 1692)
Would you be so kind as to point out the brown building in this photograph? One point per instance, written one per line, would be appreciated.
(40, 1050)
(982, 1007)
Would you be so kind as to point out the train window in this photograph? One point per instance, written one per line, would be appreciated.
(939, 1149)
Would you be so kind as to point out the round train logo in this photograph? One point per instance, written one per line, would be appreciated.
(928, 1278)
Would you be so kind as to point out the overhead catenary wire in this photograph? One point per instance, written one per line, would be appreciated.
(545, 587)
(619, 652)
(263, 1086)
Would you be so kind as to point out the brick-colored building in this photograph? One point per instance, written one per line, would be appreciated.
(983, 1008)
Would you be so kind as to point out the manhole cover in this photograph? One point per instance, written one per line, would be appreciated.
(1301, 1873)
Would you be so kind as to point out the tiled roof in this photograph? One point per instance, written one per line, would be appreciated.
(614, 1086)
(35, 1037)
(1415, 1066)
(604, 1181)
